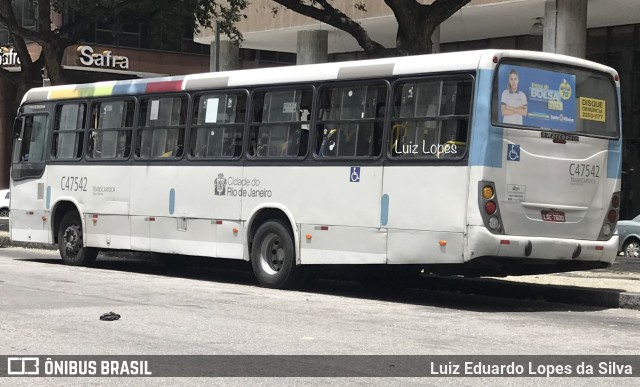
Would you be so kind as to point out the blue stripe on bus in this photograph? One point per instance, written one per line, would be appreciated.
(486, 141)
(128, 87)
(384, 210)
(48, 202)
(172, 201)
(614, 156)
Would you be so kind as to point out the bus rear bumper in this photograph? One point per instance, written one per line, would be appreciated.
(482, 243)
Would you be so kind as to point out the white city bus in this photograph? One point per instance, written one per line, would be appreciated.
(489, 162)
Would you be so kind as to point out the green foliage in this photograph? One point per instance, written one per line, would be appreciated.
(163, 19)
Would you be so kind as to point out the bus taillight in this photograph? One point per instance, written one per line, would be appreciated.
(489, 208)
(615, 201)
(611, 218)
(487, 192)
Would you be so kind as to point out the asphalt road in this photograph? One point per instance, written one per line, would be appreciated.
(48, 308)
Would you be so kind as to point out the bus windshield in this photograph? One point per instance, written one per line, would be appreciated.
(545, 96)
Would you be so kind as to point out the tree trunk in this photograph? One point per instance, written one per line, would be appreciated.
(415, 39)
(53, 54)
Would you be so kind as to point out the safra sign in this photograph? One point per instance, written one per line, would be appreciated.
(105, 59)
(9, 57)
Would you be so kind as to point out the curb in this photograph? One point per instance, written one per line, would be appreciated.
(5, 241)
(608, 298)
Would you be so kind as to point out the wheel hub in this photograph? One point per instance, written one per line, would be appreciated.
(71, 240)
(272, 254)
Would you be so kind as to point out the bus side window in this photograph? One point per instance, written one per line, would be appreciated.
(33, 139)
(351, 120)
(283, 128)
(217, 127)
(162, 123)
(111, 127)
(432, 114)
(68, 131)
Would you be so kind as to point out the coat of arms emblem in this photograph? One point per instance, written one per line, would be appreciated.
(221, 185)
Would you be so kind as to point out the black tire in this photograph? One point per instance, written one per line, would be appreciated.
(273, 256)
(4, 213)
(631, 248)
(71, 242)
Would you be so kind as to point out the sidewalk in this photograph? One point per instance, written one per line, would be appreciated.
(614, 287)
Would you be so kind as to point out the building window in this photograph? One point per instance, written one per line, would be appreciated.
(25, 13)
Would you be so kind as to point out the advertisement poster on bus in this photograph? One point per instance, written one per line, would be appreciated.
(538, 98)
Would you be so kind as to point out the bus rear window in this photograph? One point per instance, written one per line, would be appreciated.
(554, 97)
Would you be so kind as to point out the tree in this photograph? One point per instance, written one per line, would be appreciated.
(416, 22)
(160, 17)
(168, 16)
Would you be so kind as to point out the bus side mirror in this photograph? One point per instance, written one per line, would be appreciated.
(17, 127)
(17, 146)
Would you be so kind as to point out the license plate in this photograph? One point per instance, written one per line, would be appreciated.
(553, 216)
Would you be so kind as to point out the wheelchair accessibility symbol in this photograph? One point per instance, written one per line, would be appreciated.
(513, 152)
(354, 176)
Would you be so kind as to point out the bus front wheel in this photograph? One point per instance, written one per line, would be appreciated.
(71, 242)
(273, 256)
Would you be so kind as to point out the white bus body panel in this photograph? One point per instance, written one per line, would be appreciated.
(28, 211)
(570, 177)
(349, 209)
(423, 210)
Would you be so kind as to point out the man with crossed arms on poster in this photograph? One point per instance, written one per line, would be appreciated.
(513, 102)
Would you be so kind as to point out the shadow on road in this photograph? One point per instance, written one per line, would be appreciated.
(480, 295)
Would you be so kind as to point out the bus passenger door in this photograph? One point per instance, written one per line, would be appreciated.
(28, 178)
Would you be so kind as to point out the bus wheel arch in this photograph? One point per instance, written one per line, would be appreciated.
(58, 212)
(272, 248)
(68, 233)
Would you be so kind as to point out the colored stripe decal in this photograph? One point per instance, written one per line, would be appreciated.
(48, 200)
(384, 210)
(614, 156)
(163, 87)
(128, 88)
(172, 201)
(98, 91)
(486, 141)
(64, 93)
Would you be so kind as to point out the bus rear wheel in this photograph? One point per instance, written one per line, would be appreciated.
(71, 242)
(273, 256)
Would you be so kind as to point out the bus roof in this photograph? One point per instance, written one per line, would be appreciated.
(419, 64)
